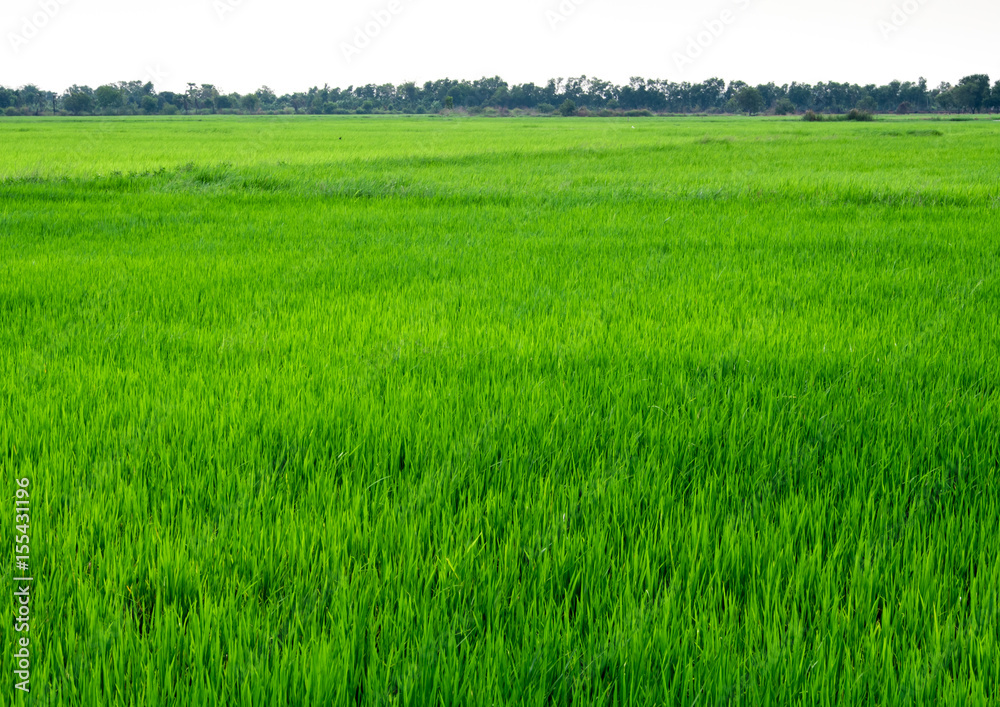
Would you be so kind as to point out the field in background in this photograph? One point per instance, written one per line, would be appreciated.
(445, 411)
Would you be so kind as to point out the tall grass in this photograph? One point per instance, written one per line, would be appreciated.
(402, 411)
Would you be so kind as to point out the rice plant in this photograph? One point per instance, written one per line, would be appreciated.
(534, 411)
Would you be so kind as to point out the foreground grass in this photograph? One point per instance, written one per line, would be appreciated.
(481, 412)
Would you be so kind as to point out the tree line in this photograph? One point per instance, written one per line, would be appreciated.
(494, 96)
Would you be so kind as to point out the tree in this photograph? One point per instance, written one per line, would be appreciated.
(251, 102)
(945, 97)
(31, 97)
(784, 106)
(208, 95)
(750, 100)
(500, 97)
(409, 92)
(77, 102)
(570, 96)
(973, 92)
(133, 92)
(49, 98)
(915, 94)
(266, 96)
(734, 89)
(191, 95)
(867, 104)
(108, 97)
(801, 95)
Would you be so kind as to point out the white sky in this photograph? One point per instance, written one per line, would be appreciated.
(290, 45)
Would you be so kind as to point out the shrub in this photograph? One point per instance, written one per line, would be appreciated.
(854, 114)
(904, 108)
(860, 115)
(638, 114)
(568, 108)
(546, 108)
(169, 109)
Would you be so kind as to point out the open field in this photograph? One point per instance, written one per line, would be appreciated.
(542, 411)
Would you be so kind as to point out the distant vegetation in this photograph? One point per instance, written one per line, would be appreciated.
(861, 116)
(494, 96)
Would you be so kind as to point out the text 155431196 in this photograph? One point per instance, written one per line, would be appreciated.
(22, 585)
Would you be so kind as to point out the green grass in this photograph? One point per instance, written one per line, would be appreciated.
(444, 411)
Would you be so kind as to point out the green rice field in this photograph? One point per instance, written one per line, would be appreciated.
(452, 411)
